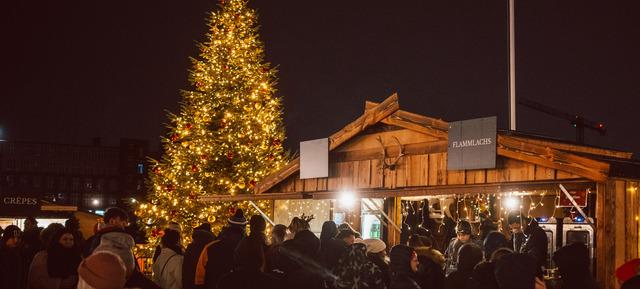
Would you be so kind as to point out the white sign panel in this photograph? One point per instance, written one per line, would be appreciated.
(314, 159)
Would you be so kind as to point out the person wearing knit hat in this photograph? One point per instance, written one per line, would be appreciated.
(463, 236)
(12, 268)
(174, 226)
(377, 253)
(102, 270)
(628, 270)
(238, 219)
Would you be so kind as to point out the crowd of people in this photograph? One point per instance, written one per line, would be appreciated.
(290, 257)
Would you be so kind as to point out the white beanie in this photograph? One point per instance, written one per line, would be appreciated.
(374, 245)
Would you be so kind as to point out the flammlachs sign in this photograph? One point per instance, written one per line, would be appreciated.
(472, 144)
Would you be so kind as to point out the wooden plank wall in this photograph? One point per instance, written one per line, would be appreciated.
(617, 230)
(416, 171)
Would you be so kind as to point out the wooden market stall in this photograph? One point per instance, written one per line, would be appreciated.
(393, 154)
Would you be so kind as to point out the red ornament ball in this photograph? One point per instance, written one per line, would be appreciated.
(271, 157)
(156, 170)
(230, 155)
(203, 157)
(170, 188)
(173, 213)
(252, 183)
(194, 168)
(277, 142)
(192, 197)
(188, 126)
(175, 137)
(232, 210)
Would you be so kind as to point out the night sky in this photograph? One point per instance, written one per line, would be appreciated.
(73, 70)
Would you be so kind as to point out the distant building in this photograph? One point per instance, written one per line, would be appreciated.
(91, 177)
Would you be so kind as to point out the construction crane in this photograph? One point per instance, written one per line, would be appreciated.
(577, 121)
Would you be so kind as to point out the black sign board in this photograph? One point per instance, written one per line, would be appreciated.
(472, 144)
(19, 205)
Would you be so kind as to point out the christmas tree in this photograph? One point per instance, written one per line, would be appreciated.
(228, 134)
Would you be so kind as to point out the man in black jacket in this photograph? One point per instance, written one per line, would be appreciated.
(201, 236)
(536, 243)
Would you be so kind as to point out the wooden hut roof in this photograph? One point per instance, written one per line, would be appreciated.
(593, 163)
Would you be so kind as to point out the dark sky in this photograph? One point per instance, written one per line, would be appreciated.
(73, 70)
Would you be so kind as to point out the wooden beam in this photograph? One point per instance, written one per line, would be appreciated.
(490, 188)
(370, 117)
(392, 150)
(271, 180)
(552, 158)
(429, 126)
(577, 148)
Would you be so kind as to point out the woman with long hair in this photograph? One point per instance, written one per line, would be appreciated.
(167, 269)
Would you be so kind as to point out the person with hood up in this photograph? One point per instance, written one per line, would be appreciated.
(377, 254)
(403, 267)
(482, 276)
(302, 269)
(463, 236)
(102, 270)
(468, 257)
(121, 244)
(201, 236)
(494, 241)
(573, 264)
(12, 271)
(430, 274)
(216, 258)
(249, 261)
(536, 243)
(518, 271)
(56, 267)
(167, 269)
(355, 270)
(628, 274)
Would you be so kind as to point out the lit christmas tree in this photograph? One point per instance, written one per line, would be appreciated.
(229, 132)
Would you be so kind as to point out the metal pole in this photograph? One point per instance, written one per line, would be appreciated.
(512, 66)
(575, 205)
(262, 213)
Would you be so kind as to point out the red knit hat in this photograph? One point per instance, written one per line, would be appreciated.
(628, 270)
(103, 270)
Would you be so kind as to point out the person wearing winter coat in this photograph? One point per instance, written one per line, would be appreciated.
(482, 276)
(468, 257)
(516, 223)
(536, 243)
(249, 262)
(464, 235)
(355, 270)
(31, 242)
(102, 270)
(377, 254)
(116, 220)
(494, 241)
(12, 272)
(430, 273)
(403, 267)
(573, 264)
(167, 269)
(56, 267)
(518, 271)
(216, 259)
(335, 248)
(272, 255)
(628, 274)
(201, 236)
(302, 269)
